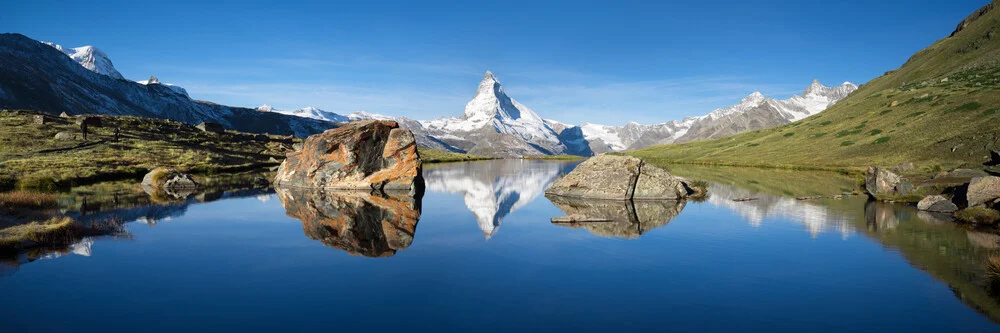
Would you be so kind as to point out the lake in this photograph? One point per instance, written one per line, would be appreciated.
(479, 253)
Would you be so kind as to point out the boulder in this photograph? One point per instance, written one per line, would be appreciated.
(162, 178)
(983, 190)
(65, 136)
(609, 177)
(211, 127)
(361, 155)
(882, 182)
(936, 203)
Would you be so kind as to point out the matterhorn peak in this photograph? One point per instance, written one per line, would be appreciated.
(153, 80)
(265, 108)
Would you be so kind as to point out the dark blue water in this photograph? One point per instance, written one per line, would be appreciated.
(484, 256)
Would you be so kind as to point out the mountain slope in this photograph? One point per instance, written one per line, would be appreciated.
(36, 76)
(941, 108)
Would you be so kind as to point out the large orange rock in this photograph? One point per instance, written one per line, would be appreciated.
(357, 222)
(362, 155)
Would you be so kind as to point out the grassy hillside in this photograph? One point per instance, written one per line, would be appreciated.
(31, 156)
(940, 109)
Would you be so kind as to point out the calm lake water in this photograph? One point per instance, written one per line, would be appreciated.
(479, 253)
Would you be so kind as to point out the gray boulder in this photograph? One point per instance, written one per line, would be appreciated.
(610, 177)
(983, 190)
(882, 182)
(936, 203)
(65, 136)
(168, 179)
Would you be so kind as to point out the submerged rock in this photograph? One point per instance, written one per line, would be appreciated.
(936, 203)
(610, 177)
(359, 223)
(362, 155)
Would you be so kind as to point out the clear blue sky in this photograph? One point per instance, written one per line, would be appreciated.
(604, 62)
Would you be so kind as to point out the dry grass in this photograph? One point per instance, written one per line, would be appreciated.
(25, 199)
(54, 232)
(978, 215)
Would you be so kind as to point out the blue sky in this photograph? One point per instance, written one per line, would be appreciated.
(603, 62)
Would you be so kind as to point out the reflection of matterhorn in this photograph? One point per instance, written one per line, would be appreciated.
(494, 189)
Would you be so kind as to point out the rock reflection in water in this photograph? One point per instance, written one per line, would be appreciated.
(613, 218)
(360, 223)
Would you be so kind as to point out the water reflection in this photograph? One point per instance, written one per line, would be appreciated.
(494, 189)
(360, 223)
(613, 218)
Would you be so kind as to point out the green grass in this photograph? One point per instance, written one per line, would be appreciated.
(924, 133)
(554, 157)
(789, 134)
(428, 155)
(978, 215)
(33, 159)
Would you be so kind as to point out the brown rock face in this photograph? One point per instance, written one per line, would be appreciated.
(610, 177)
(363, 155)
(357, 222)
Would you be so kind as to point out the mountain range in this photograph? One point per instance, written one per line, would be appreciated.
(42, 76)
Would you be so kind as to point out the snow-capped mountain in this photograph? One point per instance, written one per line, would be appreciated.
(308, 112)
(495, 124)
(753, 112)
(757, 112)
(52, 79)
(90, 58)
(175, 88)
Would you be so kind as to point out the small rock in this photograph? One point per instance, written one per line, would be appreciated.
(937, 203)
(162, 178)
(211, 127)
(65, 136)
(893, 104)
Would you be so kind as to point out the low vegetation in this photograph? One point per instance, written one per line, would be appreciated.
(54, 232)
(554, 157)
(978, 215)
(939, 108)
(31, 157)
(25, 199)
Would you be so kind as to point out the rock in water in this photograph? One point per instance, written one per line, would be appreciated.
(612, 177)
(881, 181)
(361, 155)
(936, 203)
(983, 190)
(161, 178)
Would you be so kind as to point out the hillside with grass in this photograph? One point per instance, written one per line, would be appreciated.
(939, 110)
(31, 156)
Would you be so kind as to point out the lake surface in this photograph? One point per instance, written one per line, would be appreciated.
(479, 253)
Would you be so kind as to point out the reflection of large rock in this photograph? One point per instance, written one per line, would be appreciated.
(881, 216)
(618, 178)
(614, 218)
(357, 222)
(368, 154)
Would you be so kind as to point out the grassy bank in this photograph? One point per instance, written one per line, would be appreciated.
(436, 156)
(939, 111)
(31, 156)
(554, 157)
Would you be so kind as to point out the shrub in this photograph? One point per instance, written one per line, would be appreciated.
(882, 140)
(978, 215)
(849, 132)
(970, 106)
(825, 123)
(846, 143)
(991, 112)
(875, 132)
(915, 114)
(819, 135)
(789, 134)
(884, 112)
